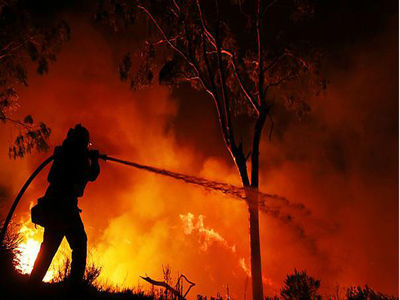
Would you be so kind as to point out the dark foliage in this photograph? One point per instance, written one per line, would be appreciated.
(300, 286)
(366, 293)
(30, 137)
(26, 37)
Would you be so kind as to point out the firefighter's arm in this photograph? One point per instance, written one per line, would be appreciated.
(94, 169)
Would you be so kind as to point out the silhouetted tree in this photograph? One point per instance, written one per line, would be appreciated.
(300, 286)
(246, 56)
(360, 293)
(25, 37)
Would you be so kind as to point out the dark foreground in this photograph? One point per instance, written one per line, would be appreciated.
(20, 289)
(13, 285)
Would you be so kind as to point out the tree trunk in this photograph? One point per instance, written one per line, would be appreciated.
(252, 201)
(252, 196)
(256, 273)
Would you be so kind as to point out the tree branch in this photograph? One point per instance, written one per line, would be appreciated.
(164, 285)
(209, 36)
(214, 88)
(175, 48)
(252, 101)
(280, 81)
(191, 284)
(26, 126)
(175, 291)
(211, 39)
(222, 78)
(255, 155)
(260, 54)
(179, 51)
(269, 6)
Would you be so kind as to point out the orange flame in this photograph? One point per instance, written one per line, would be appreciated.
(29, 248)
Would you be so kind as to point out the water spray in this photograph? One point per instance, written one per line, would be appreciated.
(225, 188)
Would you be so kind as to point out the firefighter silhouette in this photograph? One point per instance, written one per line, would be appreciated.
(73, 166)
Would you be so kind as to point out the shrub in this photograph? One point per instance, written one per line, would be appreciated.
(366, 293)
(300, 286)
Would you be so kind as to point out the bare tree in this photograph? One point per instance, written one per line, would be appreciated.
(25, 37)
(243, 54)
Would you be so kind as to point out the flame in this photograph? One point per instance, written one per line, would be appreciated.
(28, 253)
(207, 235)
(29, 248)
(243, 265)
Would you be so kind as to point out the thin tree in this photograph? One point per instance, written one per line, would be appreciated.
(243, 54)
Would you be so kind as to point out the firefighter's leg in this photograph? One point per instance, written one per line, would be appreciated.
(52, 238)
(77, 239)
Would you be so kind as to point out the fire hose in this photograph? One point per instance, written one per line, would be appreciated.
(105, 158)
(225, 188)
(38, 170)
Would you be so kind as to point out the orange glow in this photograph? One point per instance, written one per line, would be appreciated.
(29, 249)
(136, 222)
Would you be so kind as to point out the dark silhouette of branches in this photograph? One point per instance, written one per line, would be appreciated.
(24, 39)
(300, 286)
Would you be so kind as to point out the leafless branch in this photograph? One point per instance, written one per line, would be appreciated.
(176, 5)
(174, 291)
(164, 285)
(174, 47)
(281, 80)
(215, 94)
(207, 33)
(191, 284)
(260, 54)
(269, 5)
(242, 86)
(162, 32)
(20, 123)
(274, 62)
(162, 41)
(16, 45)
(211, 39)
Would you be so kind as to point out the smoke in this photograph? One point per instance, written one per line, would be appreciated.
(341, 162)
(336, 170)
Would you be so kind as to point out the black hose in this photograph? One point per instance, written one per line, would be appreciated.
(218, 186)
(30, 179)
(21, 192)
